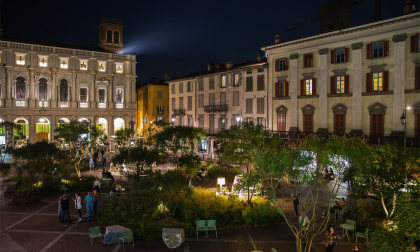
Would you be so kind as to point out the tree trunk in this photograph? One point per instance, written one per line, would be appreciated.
(394, 202)
(384, 206)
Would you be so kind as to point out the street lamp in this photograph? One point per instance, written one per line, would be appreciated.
(404, 122)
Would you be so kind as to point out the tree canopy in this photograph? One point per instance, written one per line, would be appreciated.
(123, 135)
(178, 138)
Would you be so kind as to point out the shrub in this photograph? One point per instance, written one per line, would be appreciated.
(366, 215)
(216, 170)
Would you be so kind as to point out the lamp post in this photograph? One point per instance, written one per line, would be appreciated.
(404, 122)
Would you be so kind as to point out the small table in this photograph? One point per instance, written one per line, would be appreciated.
(346, 227)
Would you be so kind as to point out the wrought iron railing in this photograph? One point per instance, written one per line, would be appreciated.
(179, 112)
(215, 108)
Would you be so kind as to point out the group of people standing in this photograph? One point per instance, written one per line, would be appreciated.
(91, 203)
(93, 163)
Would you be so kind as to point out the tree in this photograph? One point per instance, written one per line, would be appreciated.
(177, 138)
(154, 128)
(137, 155)
(304, 162)
(189, 161)
(10, 130)
(123, 135)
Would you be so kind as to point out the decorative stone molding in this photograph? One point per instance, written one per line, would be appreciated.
(339, 72)
(399, 38)
(19, 75)
(323, 51)
(308, 109)
(102, 82)
(282, 110)
(294, 56)
(281, 78)
(308, 75)
(417, 63)
(377, 68)
(63, 78)
(357, 46)
(339, 109)
(377, 108)
(221, 115)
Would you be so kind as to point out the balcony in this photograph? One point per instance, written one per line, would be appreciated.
(215, 108)
(213, 131)
(119, 105)
(179, 112)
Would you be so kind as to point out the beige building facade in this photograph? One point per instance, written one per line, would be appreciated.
(356, 80)
(44, 84)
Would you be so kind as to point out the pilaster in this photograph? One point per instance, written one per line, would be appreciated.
(8, 101)
(53, 100)
(32, 96)
(32, 129)
(356, 83)
(322, 85)
(293, 93)
(73, 100)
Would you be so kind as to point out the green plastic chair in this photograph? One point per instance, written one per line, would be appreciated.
(211, 225)
(113, 195)
(351, 222)
(363, 235)
(64, 188)
(95, 232)
(127, 237)
(201, 226)
(273, 250)
(104, 196)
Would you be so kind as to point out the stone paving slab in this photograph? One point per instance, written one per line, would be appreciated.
(7, 219)
(220, 246)
(30, 209)
(32, 242)
(73, 243)
(42, 223)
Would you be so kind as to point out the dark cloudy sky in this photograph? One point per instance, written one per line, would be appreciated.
(179, 37)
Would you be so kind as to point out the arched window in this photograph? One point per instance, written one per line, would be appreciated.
(64, 93)
(109, 36)
(20, 89)
(116, 37)
(42, 90)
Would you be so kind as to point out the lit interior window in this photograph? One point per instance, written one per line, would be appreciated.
(102, 66)
(64, 63)
(236, 79)
(224, 81)
(377, 82)
(43, 61)
(83, 65)
(119, 67)
(308, 87)
(20, 60)
(340, 84)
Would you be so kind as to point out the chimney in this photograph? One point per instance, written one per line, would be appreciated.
(409, 6)
(259, 56)
(278, 38)
(166, 76)
(229, 63)
(210, 66)
(153, 79)
(218, 65)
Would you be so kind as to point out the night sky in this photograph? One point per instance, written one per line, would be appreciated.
(179, 37)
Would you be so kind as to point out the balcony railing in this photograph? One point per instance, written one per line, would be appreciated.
(179, 112)
(215, 108)
(213, 131)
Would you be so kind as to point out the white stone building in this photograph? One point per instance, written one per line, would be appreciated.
(43, 84)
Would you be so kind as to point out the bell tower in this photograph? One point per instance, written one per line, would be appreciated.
(111, 34)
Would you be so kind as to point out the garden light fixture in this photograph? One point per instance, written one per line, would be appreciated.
(221, 181)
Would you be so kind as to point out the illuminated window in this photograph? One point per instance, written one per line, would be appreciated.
(340, 84)
(83, 95)
(20, 60)
(282, 89)
(43, 61)
(189, 86)
(119, 96)
(224, 81)
(20, 89)
(119, 67)
(101, 95)
(377, 82)
(83, 64)
(308, 87)
(236, 80)
(102, 66)
(64, 63)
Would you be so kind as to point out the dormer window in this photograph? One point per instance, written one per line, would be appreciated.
(83, 64)
(119, 67)
(64, 63)
(102, 66)
(43, 61)
(20, 59)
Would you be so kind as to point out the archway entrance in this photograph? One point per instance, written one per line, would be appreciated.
(118, 124)
(23, 133)
(102, 124)
(42, 130)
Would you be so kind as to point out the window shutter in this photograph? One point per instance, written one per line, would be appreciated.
(368, 51)
(302, 87)
(346, 54)
(385, 81)
(220, 123)
(276, 94)
(413, 46)
(332, 85)
(286, 64)
(346, 84)
(332, 56)
(368, 82)
(277, 66)
(417, 86)
(386, 48)
(313, 86)
(240, 80)
(286, 89)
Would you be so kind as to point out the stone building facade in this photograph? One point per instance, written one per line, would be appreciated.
(43, 84)
(355, 80)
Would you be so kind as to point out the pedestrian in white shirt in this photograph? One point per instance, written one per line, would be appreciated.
(78, 204)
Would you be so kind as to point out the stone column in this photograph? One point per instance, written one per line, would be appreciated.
(73, 102)
(92, 99)
(111, 126)
(356, 82)
(32, 95)
(8, 96)
(126, 96)
(134, 93)
(53, 100)
(398, 99)
(322, 85)
(293, 93)
(109, 91)
(32, 129)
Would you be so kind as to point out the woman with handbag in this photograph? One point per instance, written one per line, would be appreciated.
(329, 239)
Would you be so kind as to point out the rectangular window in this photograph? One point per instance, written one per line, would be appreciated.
(260, 82)
(173, 104)
(43, 61)
(181, 103)
(249, 71)
(181, 121)
(236, 98)
(211, 99)
(378, 50)
(261, 70)
(83, 95)
(201, 121)
(181, 87)
(20, 60)
(189, 86)
(190, 103)
(249, 84)
(339, 55)
(64, 94)
(211, 123)
(223, 98)
(282, 64)
(211, 82)
(260, 121)
(308, 60)
(249, 106)
(101, 66)
(201, 101)
(260, 105)
(118, 96)
(172, 88)
(308, 87)
(119, 67)
(377, 82)
(224, 81)
(282, 89)
(83, 64)
(160, 94)
(101, 95)
(201, 85)
(144, 119)
(236, 80)
(190, 121)
(339, 80)
(222, 123)
(64, 63)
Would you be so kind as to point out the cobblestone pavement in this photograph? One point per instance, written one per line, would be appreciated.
(37, 229)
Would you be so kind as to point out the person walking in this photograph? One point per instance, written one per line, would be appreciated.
(330, 237)
(91, 165)
(66, 211)
(89, 199)
(296, 204)
(78, 204)
(95, 203)
(97, 185)
(60, 212)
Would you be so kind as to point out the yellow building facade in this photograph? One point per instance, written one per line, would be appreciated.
(152, 106)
